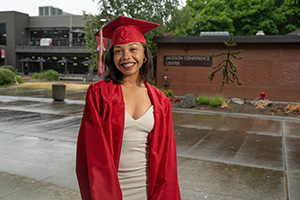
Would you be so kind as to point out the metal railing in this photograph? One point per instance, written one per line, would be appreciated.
(78, 42)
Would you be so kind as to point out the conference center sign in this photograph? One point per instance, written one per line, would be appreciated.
(201, 61)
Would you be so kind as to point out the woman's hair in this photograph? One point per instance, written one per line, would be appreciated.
(112, 73)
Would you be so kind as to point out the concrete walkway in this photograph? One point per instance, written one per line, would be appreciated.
(220, 156)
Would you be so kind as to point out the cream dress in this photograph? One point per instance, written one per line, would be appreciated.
(134, 158)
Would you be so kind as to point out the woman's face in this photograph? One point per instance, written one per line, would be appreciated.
(129, 58)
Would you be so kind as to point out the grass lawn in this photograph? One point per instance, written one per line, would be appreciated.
(48, 85)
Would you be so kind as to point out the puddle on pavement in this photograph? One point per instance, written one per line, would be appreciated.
(228, 123)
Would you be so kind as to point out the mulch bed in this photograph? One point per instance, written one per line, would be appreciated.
(247, 108)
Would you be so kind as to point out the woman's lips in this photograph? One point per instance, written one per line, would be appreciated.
(128, 65)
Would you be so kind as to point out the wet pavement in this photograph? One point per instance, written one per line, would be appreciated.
(220, 156)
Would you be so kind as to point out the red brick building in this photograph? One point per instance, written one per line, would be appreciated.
(271, 64)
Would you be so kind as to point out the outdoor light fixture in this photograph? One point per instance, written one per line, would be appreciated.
(106, 19)
(260, 33)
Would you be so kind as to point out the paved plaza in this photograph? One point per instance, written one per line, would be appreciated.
(221, 156)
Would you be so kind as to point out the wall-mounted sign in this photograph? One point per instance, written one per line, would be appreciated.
(45, 41)
(201, 61)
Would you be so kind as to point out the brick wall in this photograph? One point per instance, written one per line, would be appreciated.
(273, 68)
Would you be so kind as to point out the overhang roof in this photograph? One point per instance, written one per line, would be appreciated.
(296, 32)
(221, 39)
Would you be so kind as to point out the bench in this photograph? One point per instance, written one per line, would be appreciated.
(72, 78)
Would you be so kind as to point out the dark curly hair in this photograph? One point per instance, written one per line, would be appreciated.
(112, 73)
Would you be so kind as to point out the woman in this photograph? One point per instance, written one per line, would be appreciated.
(126, 147)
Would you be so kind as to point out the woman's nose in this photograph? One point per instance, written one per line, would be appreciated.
(126, 55)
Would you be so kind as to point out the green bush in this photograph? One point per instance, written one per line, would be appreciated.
(19, 79)
(210, 100)
(9, 67)
(203, 99)
(46, 75)
(168, 93)
(7, 77)
(216, 101)
(37, 75)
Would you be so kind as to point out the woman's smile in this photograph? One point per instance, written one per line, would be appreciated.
(128, 65)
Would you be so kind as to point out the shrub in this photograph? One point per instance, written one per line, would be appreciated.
(37, 75)
(19, 79)
(9, 67)
(203, 99)
(216, 101)
(212, 101)
(293, 108)
(46, 75)
(7, 77)
(169, 93)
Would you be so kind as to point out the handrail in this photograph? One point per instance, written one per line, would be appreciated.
(55, 42)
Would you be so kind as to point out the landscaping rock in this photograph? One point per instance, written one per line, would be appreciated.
(271, 104)
(188, 101)
(237, 101)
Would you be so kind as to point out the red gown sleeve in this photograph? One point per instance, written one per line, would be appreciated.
(166, 186)
(95, 168)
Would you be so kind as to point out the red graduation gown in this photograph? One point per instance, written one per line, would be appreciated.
(100, 140)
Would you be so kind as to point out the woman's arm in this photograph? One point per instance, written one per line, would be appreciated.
(95, 168)
(166, 184)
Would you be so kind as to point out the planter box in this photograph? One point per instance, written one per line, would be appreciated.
(58, 92)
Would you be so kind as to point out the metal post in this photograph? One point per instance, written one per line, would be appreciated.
(70, 33)
(5, 61)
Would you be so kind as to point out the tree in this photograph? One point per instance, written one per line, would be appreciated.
(179, 22)
(228, 68)
(236, 16)
(91, 26)
(212, 15)
(254, 15)
(291, 11)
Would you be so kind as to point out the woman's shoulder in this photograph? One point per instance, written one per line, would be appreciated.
(101, 83)
(157, 95)
(103, 88)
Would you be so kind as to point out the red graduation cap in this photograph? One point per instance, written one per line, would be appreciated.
(125, 30)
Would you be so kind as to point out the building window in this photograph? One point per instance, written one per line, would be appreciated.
(2, 34)
(41, 11)
(46, 11)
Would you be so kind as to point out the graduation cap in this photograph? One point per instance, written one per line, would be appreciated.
(125, 30)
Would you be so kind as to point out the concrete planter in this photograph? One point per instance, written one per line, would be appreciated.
(58, 92)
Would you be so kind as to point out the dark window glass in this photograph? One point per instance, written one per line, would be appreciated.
(41, 11)
(2, 34)
(52, 11)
